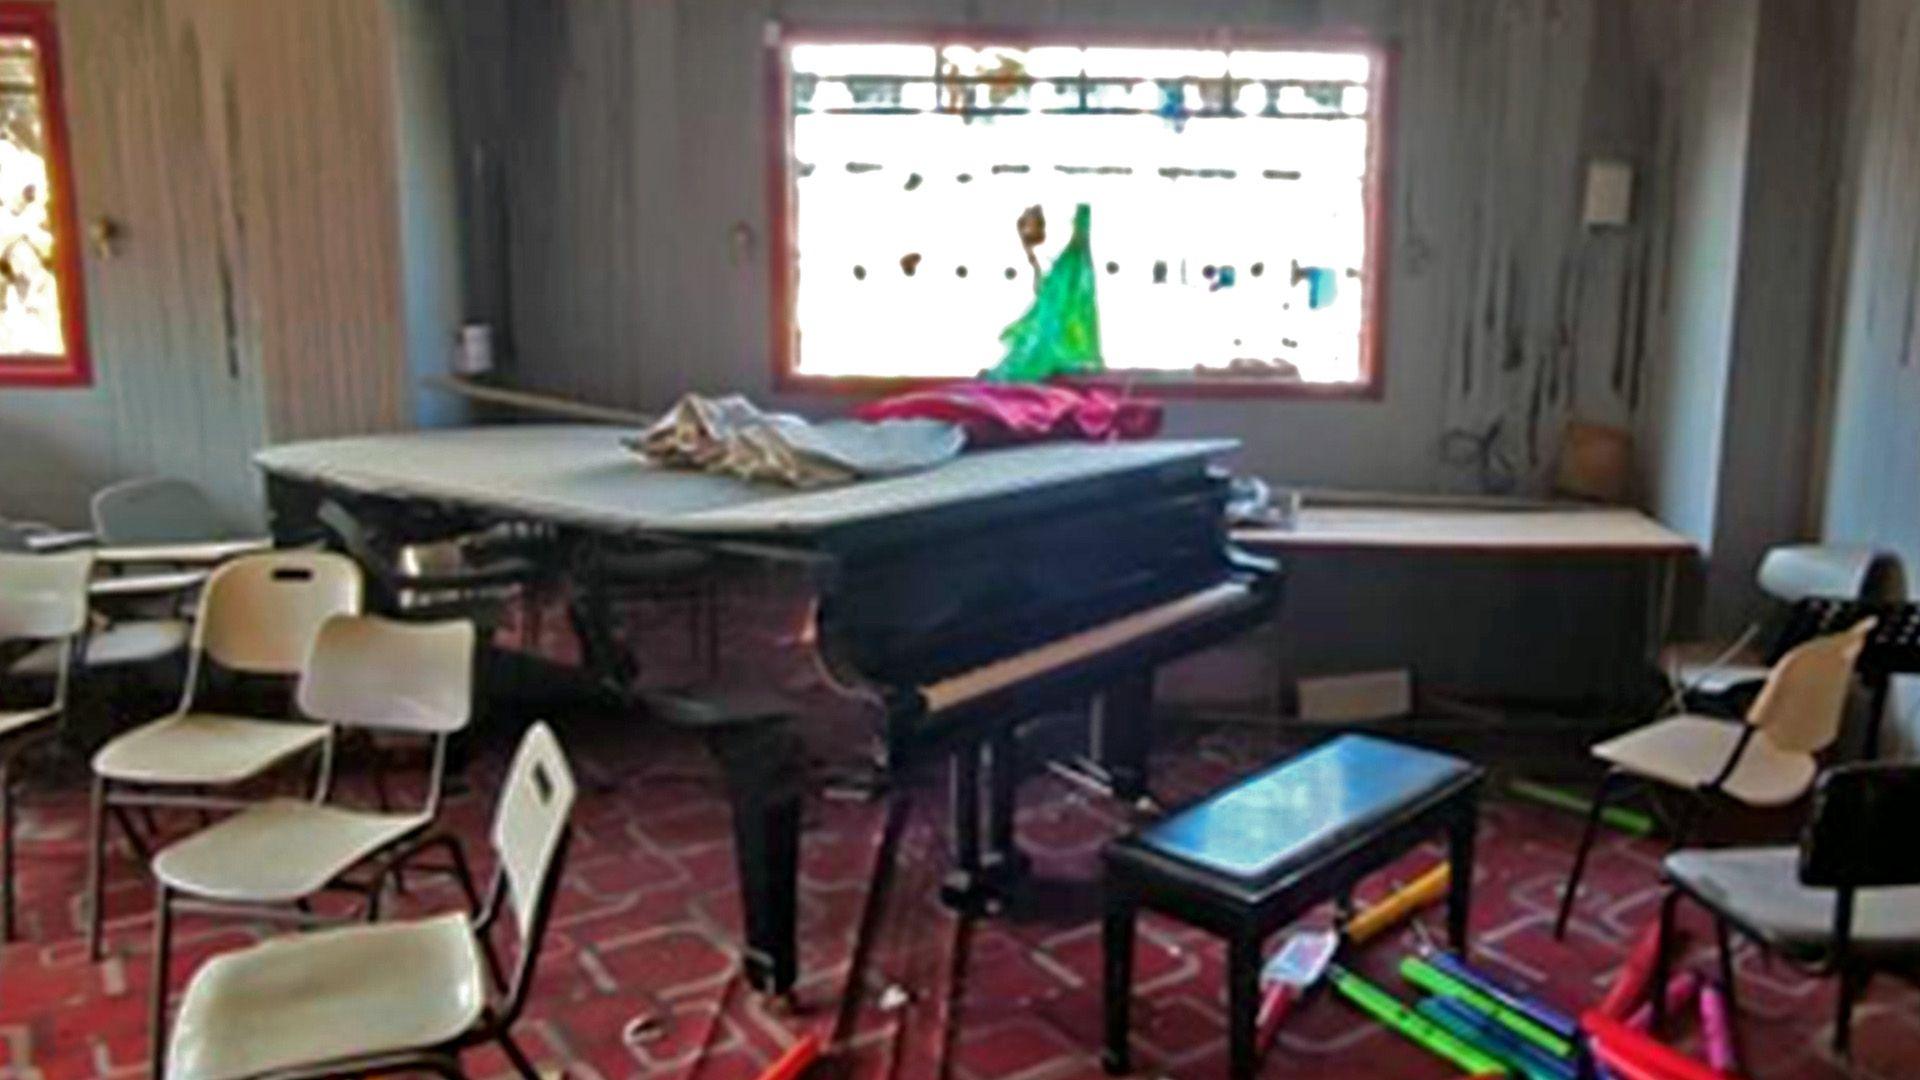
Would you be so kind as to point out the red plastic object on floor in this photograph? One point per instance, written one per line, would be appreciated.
(796, 1061)
(1631, 984)
(996, 414)
(1633, 1056)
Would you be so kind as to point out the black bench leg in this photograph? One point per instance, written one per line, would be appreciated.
(1004, 862)
(965, 888)
(1243, 1004)
(1461, 833)
(1117, 948)
(1123, 735)
(764, 771)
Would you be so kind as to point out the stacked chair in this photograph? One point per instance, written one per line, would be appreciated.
(274, 857)
(259, 615)
(1722, 678)
(43, 602)
(397, 996)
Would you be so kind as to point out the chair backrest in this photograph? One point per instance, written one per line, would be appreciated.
(43, 597)
(155, 510)
(366, 671)
(1859, 812)
(1808, 579)
(260, 613)
(531, 822)
(1800, 707)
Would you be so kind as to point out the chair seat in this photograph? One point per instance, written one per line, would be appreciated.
(16, 722)
(1690, 751)
(308, 999)
(1760, 889)
(278, 851)
(132, 642)
(203, 748)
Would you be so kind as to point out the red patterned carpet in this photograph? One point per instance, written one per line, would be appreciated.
(638, 979)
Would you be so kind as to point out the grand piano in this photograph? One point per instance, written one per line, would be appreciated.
(962, 601)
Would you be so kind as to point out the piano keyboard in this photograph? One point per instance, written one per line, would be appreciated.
(1084, 646)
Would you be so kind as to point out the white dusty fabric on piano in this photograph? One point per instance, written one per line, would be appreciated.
(732, 436)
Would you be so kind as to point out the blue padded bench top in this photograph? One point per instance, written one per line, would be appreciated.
(1290, 816)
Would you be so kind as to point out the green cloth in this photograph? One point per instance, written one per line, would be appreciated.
(1060, 333)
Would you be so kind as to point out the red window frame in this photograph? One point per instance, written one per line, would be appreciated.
(781, 248)
(75, 368)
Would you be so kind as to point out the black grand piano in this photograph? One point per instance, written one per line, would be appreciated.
(964, 600)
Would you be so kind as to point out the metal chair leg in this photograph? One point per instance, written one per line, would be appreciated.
(96, 868)
(1587, 836)
(521, 1062)
(1851, 983)
(6, 852)
(1724, 939)
(157, 1003)
(1663, 959)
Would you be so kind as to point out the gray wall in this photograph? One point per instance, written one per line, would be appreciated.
(1872, 484)
(622, 141)
(1684, 424)
(248, 153)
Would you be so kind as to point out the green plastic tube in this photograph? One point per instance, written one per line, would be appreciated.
(1618, 817)
(1434, 981)
(1387, 1009)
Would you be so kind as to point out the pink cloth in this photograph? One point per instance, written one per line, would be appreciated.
(995, 414)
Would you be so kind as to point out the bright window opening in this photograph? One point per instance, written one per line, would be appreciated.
(42, 324)
(1233, 198)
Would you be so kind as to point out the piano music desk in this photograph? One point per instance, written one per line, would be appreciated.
(1558, 606)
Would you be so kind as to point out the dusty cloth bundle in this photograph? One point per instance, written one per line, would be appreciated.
(732, 436)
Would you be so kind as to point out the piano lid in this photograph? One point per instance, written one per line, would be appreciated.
(579, 474)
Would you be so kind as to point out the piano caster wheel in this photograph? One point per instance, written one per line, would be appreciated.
(970, 894)
(1001, 872)
(760, 976)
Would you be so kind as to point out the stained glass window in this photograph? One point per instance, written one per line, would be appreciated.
(40, 325)
(1233, 195)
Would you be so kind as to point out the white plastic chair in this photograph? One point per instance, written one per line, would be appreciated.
(260, 615)
(43, 598)
(155, 510)
(1768, 760)
(272, 857)
(390, 997)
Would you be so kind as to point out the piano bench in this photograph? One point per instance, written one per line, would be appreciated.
(1253, 857)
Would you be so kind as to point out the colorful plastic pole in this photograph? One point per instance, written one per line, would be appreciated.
(1632, 1055)
(1387, 1009)
(1434, 981)
(1716, 1029)
(1680, 993)
(1426, 889)
(1539, 1011)
(1483, 1032)
(1631, 983)
(1274, 1008)
(795, 1062)
(1627, 821)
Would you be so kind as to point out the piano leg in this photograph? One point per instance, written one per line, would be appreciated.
(764, 768)
(1004, 862)
(966, 888)
(1122, 736)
